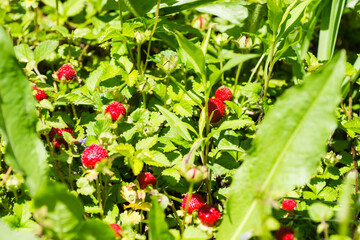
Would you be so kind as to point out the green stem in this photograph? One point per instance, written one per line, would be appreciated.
(121, 16)
(221, 65)
(268, 69)
(99, 195)
(105, 190)
(138, 58)
(57, 11)
(167, 84)
(191, 187)
(237, 78)
(36, 23)
(152, 33)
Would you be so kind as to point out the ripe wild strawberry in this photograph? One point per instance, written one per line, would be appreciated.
(59, 132)
(289, 204)
(209, 215)
(223, 93)
(66, 73)
(117, 229)
(195, 202)
(285, 233)
(40, 95)
(115, 109)
(146, 178)
(93, 154)
(217, 108)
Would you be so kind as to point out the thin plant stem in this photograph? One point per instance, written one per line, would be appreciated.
(237, 78)
(6, 176)
(70, 179)
(56, 163)
(152, 32)
(57, 11)
(138, 58)
(167, 84)
(121, 16)
(36, 23)
(191, 187)
(105, 190)
(269, 68)
(98, 188)
(221, 65)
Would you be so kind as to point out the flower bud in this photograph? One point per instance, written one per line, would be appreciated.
(222, 39)
(14, 182)
(244, 42)
(196, 174)
(201, 22)
(106, 138)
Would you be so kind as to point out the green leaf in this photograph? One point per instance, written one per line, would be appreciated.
(183, 108)
(172, 119)
(330, 21)
(44, 49)
(158, 160)
(8, 233)
(235, 12)
(24, 53)
(231, 124)
(320, 211)
(158, 228)
(193, 233)
(84, 186)
(146, 143)
(73, 7)
(191, 54)
(275, 14)
(172, 172)
(24, 151)
(59, 208)
(276, 163)
(237, 59)
(95, 229)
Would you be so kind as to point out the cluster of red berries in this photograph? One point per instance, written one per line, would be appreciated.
(216, 105)
(40, 94)
(55, 135)
(115, 109)
(209, 214)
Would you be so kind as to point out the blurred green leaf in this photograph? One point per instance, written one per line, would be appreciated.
(24, 151)
(275, 163)
(158, 228)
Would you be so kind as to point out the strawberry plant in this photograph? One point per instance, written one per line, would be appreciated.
(179, 119)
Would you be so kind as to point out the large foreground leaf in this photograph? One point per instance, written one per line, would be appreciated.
(286, 151)
(24, 150)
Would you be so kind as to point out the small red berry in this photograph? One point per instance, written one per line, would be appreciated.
(117, 229)
(34, 87)
(93, 154)
(223, 93)
(217, 108)
(60, 131)
(195, 202)
(66, 73)
(115, 109)
(289, 204)
(40, 95)
(209, 215)
(146, 178)
(58, 142)
(285, 233)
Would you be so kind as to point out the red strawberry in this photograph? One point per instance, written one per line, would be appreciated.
(289, 204)
(285, 233)
(34, 87)
(59, 131)
(93, 154)
(66, 73)
(117, 229)
(40, 95)
(217, 107)
(58, 142)
(223, 93)
(209, 215)
(195, 202)
(146, 178)
(115, 109)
